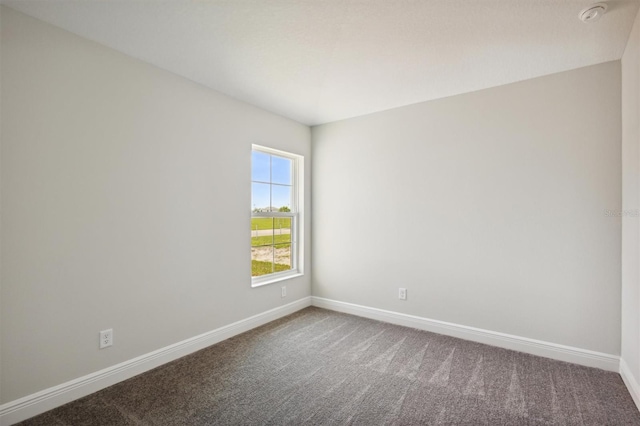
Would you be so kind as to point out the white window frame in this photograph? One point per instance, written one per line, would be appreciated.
(296, 215)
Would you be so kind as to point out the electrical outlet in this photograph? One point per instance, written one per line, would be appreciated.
(106, 338)
(402, 293)
(283, 291)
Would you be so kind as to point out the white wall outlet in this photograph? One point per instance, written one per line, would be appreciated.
(106, 338)
(402, 293)
(283, 291)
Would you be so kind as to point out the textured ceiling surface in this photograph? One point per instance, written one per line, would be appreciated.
(318, 61)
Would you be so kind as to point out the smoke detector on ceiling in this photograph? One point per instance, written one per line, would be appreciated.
(593, 12)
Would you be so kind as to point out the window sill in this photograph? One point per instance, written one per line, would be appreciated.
(274, 278)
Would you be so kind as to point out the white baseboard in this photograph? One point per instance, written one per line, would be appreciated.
(630, 381)
(493, 338)
(37, 403)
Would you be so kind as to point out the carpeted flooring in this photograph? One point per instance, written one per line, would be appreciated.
(318, 367)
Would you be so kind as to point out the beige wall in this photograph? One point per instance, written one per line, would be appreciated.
(125, 204)
(488, 207)
(630, 201)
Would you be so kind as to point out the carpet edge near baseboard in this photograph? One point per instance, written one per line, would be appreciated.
(39, 402)
(630, 382)
(47, 399)
(507, 341)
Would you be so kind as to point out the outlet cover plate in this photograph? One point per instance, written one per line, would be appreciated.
(402, 293)
(106, 338)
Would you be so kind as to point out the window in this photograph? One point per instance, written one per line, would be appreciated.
(275, 215)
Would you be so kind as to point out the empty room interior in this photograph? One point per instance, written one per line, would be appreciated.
(320, 212)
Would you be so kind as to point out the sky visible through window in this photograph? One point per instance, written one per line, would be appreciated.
(271, 181)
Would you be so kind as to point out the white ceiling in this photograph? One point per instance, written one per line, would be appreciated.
(318, 61)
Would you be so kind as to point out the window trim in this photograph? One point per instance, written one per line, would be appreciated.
(296, 215)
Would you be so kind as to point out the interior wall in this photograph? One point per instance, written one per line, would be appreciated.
(125, 204)
(0, 203)
(630, 203)
(495, 209)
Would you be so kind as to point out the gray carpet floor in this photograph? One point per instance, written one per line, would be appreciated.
(318, 367)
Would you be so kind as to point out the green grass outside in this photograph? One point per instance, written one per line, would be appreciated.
(267, 240)
(284, 241)
(270, 223)
(263, 268)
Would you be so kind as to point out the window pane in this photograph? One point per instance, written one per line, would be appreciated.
(282, 257)
(260, 165)
(261, 261)
(260, 197)
(280, 198)
(282, 230)
(273, 239)
(281, 170)
(262, 231)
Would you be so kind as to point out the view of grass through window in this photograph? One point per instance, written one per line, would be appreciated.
(272, 219)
